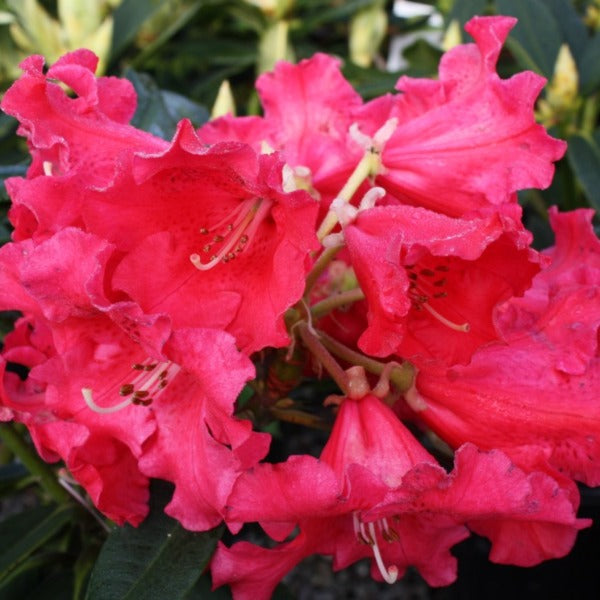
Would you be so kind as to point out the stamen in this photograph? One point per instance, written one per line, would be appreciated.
(234, 236)
(366, 534)
(151, 380)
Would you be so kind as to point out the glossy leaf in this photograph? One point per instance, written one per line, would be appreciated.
(571, 26)
(589, 66)
(128, 18)
(159, 111)
(463, 10)
(157, 561)
(584, 156)
(24, 533)
(11, 475)
(536, 38)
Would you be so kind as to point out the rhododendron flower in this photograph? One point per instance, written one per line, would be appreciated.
(88, 133)
(232, 244)
(464, 142)
(377, 492)
(432, 282)
(75, 142)
(468, 140)
(308, 112)
(535, 398)
(196, 208)
(113, 391)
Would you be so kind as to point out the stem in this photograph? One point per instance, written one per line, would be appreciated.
(298, 417)
(320, 265)
(313, 343)
(341, 299)
(369, 165)
(402, 377)
(34, 464)
(590, 114)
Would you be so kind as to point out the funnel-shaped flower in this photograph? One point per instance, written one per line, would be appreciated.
(468, 140)
(432, 282)
(377, 493)
(537, 397)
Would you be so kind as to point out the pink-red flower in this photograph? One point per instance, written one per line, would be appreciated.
(308, 112)
(469, 139)
(114, 391)
(228, 246)
(210, 237)
(377, 492)
(535, 397)
(432, 282)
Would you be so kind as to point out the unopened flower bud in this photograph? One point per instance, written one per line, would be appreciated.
(224, 102)
(562, 91)
(367, 30)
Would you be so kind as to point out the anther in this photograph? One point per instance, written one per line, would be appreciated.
(236, 230)
(151, 379)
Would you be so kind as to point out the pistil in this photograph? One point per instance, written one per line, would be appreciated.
(232, 235)
(427, 284)
(367, 534)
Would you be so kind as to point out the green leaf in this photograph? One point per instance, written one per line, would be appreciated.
(571, 26)
(589, 66)
(128, 18)
(180, 21)
(321, 16)
(463, 10)
(202, 591)
(24, 533)
(159, 111)
(370, 82)
(11, 475)
(536, 38)
(583, 155)
(157, 561)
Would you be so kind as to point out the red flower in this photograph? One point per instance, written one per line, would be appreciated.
(185, 208)
(308, 112)
(432, 282)
(113, 391)
(68, 345)
(88, 133)
(468, 140)
(535, 398)
(227, 245)
(377, 492)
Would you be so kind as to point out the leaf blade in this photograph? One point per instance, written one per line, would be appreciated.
(157, 561)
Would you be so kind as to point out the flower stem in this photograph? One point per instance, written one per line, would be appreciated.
(368, 165)
(34, 464)
(402, 377)
(590, 115)
(341, 299)
(313, 343)
(320, 265)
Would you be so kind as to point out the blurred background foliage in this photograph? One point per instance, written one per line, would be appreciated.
(195, 58)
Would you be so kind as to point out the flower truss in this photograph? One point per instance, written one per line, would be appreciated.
(378, 243)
